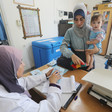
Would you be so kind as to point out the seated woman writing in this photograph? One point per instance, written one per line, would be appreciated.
(14, 95)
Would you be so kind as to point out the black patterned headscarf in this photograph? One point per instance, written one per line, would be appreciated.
(10, 60)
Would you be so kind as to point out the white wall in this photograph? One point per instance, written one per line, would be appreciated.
(109, 50)
(91, 3)
(48, 18)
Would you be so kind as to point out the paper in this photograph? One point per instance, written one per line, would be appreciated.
(52, 63)
(46, 70)
(38, 72)
(65, 98)
(100, 77)
(68, 85)
(60, 69)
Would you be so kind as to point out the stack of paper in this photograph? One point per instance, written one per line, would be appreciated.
(68, 85)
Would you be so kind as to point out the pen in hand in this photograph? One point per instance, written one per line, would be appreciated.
(75, 98)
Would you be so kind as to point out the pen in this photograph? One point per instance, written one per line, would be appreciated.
(56, 72)
(76, 98)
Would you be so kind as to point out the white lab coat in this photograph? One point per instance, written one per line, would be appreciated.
(15, 102)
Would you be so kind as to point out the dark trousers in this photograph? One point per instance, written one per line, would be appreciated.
(66, 62)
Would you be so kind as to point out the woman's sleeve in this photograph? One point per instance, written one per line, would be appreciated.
(53, 101)
(32, 81)
(51, 104)
(64, 47)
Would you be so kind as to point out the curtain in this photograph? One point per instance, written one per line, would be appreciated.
(3, 35)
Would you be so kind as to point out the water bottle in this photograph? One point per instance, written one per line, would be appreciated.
(109, 61)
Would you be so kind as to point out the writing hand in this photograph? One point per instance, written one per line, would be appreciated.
(49, 72)
(55, 77)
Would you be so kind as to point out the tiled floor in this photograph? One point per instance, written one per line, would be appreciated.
(99, 61)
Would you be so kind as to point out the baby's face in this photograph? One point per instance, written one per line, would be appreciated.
(97, 24)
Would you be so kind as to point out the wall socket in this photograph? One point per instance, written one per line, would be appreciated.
(18, 22)
(61, 13)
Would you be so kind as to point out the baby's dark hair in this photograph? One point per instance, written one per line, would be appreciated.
(96, 16)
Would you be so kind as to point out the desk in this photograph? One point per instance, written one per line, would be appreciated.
(85, 102)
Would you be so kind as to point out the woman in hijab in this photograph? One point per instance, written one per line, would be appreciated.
(76, 37)
(14, 95)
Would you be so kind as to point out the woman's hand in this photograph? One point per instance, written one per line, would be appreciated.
(55, 77)
(94, 50)
(76, 60)
(49, 72)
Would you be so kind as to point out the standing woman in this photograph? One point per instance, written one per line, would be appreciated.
(14, 95)
(76, 37)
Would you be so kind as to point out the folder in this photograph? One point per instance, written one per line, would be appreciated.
(71, 97)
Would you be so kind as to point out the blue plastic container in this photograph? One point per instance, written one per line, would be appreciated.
(45, 50)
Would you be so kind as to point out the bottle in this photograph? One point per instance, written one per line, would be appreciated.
(109, 62)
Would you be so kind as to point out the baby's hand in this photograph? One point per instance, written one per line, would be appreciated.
(87, 42)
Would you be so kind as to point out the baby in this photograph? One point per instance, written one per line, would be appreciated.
(97, 35)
